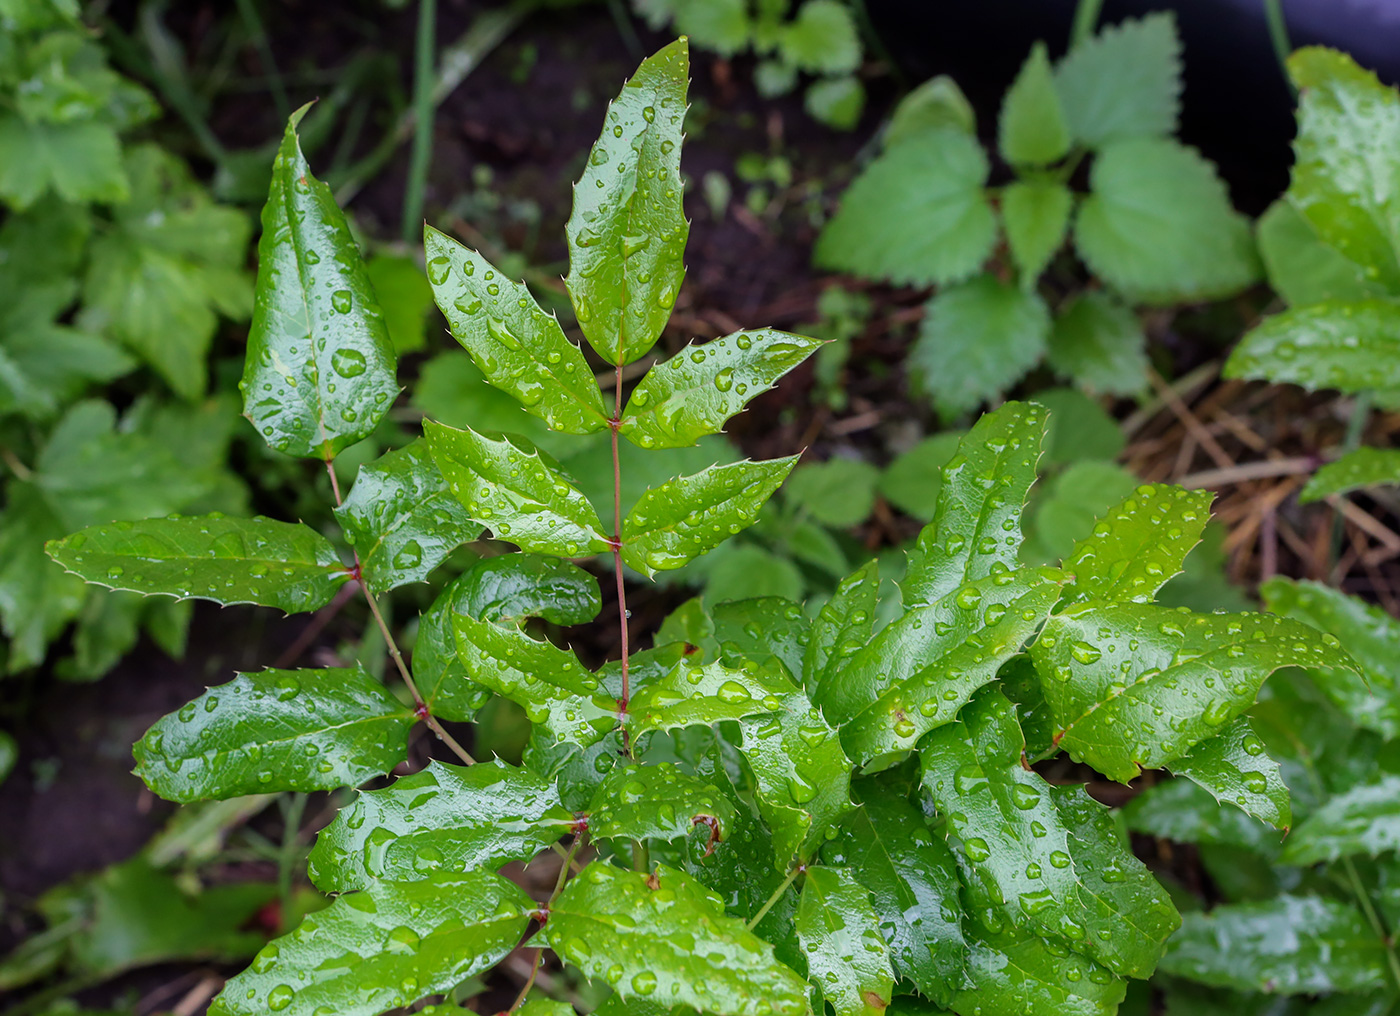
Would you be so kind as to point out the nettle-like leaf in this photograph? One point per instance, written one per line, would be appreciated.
(1035, 214)
(519, 348)
(840, 935)
(510, 488)
(382, 948)
(1364, 820)
(1100, 343)
(444, 819)
(917, 215)
(628, 230)
(690, 515)
(694, 392)
(1125, 82)
(666, 935)
(276, 730)
(1233, 766)
(213, 557)
(1346, 345)
(402, 519)
(1356, 470)
(1032, 129)
(1135, 685)
(656, 801)
(319, 374)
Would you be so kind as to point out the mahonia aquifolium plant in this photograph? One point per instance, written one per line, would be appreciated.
(786, 810)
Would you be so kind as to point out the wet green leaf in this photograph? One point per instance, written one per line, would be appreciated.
(657, 801)
(211, 557)
(628, 230)
(1035, 215)
(843, 626)
(445, 819)
(1303, 269)
(401, 518)
(840, 935)
(276, 730)
(1125, 82)
(689, 515)
(1355, 470)
(762, 629)
(1234, 767)
(1363, 820)
(1346, 346)
(667, 935)
(1185, 812)
(700, 694)
(694, 392)
(510, 488)
(521, 349)
(382, 948)
(1099, 343)
(1032, 130)
(319, 374)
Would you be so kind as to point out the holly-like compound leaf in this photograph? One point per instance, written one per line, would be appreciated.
(383, 948)
(1135, 685)
(657, 801)
(1139, 545)
(1124, 82)
(628, 230)
(840, 935)
(519, 348)
(276, 730)
(1289, 945)
(1371, 636)
(1185, 812)
(976, 340)
(912, 879)
(690, 515)
(916, 215)
(919, 671)
(1100, 344)
(1348, 346)
(1356, 470)
(1363, 820)
(841, 629)
(762, 629)
(1159, 225)
(319, 374)
(1234, 767)
(512, 490)
(1032, 129)
(401, 518)
(976, 529)
(446, 818)
(695, 391)
(666, 935)
(694, 694)
(1301, 268)
(1036, 216)
(211, 557)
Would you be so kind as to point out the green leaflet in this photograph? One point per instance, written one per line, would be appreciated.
(534, 1007)
(917, 673)
(938, 102)
(822, 38)
(690, 515)
(912, 879)
(1125, 82)
(1185, 812)
(1032, 129)
(667, 935)
(1303, 269)
(1357, 469)
(840, 935)
(1348, 346)
(762, 629)
(211, 557)
(385, 947)
(521, 349)
(657, 801)
(1235, 769)
(1100, 343)
(1138, 546)
(509, 487)
(627, 231)
(401, 518)
(1289, 945)
(1343, 176)
(80, 161)
(1159, 225)
(694, 694)
(1370, 698)
(445, 819)
(1135, 685)
(842, 628)
(276, 730)
(975, 529)
(1036, 217)
(319, 374)
(694, 392)
(1363, 820)
(916, 215)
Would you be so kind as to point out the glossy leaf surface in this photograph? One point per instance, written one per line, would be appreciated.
(520, 349)
(213, 557)
(1364, 820)
(319, 374)
(700, 694)
(446, 818)
(694, 392)
(1032, 129)
(840, 936)
(657, 801)
(841, 629)
(1234, 767)
(1344, 346)
(383, 948)
(514, 492)
(628, 230)
(667, 935)
(1356, 470)
(685, 517)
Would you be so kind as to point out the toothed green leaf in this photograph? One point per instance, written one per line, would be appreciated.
(1100, 344)
(1124, 82)
(1347, 346)
(840, 935)
(844, 625)
(1356, 470)
(1235, 769)
(1032, 129)
(1364, 820)
(1036, 216)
